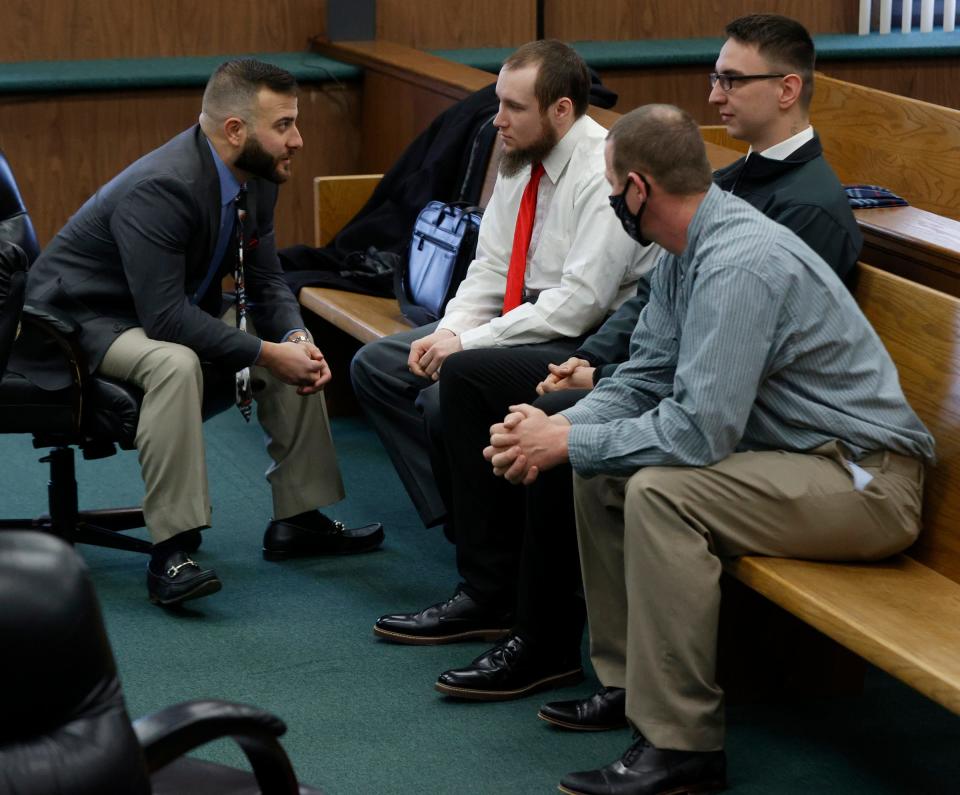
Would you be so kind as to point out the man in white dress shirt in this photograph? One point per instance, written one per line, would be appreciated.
(576, 264)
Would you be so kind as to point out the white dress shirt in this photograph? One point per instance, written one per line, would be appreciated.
(787, 147)
(580, 264)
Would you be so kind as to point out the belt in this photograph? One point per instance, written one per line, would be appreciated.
(887, 461)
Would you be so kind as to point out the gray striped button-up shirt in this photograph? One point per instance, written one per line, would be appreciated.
(749, 342)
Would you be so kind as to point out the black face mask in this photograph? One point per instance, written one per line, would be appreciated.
(629, 220)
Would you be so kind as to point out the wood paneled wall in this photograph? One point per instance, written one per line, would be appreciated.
(42, 30)
(428, 24)
(604, 20)
(63, 148)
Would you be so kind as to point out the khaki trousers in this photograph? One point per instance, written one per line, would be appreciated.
(651, 548)
(303, 475)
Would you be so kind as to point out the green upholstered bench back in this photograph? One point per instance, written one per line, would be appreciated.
(34, 77)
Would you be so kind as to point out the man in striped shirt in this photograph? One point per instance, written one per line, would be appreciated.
(759, 413)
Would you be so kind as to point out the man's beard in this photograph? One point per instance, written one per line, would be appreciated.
(256, 161)
(511, 163)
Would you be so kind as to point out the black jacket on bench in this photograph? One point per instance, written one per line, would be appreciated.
(446, 162)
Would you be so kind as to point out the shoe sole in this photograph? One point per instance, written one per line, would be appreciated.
(705, 788)
(580, 727)
(282, 554)
(203, 589)
(547, 683)
(489, 635)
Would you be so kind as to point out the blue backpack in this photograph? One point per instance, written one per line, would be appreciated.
(443, 245)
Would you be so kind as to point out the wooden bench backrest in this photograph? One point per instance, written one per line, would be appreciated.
(906, 145)
(920, 328)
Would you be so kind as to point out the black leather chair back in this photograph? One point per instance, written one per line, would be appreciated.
(65, 728)
(15, 224)
(13, 283)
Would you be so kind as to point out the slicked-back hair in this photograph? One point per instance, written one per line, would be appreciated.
(783, 42)
(561, 72)
(232, 89)
(663, 142)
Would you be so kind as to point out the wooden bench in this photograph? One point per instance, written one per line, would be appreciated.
(902, 614)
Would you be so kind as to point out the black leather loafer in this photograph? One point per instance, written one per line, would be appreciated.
(459, 618)
(181, 579)
(316, 535)
(603, 711)
(645, 770)
(512, 669)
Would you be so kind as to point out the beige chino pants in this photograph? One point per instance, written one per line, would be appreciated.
(303, 475)
(651, 548)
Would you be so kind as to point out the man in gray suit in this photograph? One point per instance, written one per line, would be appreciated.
(139, 267)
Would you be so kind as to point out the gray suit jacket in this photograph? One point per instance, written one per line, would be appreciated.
(136, 251)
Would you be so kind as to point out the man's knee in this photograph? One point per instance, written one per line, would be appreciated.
(173, 363)
(652, 484)
(361, 364)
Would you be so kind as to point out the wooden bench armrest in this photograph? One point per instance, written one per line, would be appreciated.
(336, 200)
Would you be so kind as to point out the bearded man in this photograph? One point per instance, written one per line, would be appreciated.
(139, 268)
(552, 262)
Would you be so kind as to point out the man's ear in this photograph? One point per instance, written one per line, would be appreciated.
(790, 88)
(235, 130)
(562, 109)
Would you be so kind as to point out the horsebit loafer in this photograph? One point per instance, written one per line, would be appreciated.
(459, 618)
(180, 579)
(512, 669)
(603, 711)
(315, 534)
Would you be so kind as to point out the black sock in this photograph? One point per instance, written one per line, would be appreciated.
(163, 550)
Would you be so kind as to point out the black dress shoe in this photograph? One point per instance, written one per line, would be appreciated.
(511, 670)
(645, 770)
(312, 533)
(459, 618)
(603, 711)
(181, 578)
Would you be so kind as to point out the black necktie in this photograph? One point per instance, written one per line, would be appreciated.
(244, 390)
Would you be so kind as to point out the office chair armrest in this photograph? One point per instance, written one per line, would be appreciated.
(176, 730)
(52, 317)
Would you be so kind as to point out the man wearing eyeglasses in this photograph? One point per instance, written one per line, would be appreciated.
(766, 65)
(762, 87)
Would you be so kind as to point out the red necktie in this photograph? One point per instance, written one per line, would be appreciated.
(521, 241)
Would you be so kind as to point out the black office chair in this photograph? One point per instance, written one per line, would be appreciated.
(65, 728)
(93, 413)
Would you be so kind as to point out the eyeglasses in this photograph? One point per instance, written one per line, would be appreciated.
(727, 82)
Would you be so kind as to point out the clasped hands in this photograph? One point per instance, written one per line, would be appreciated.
(526, 443)
(427, 354)
(300, 364)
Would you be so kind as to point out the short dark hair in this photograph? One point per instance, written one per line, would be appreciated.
(784, 42)
(561, 73)
(663, 142)
(232, 89)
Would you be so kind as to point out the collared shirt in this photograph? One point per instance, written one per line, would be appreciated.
(229, 188)
(784, 149)
(580, 264)
(749, 342)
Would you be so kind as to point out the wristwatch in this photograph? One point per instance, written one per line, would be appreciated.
(298, 338)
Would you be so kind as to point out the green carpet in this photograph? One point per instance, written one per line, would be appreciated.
(363, 718)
